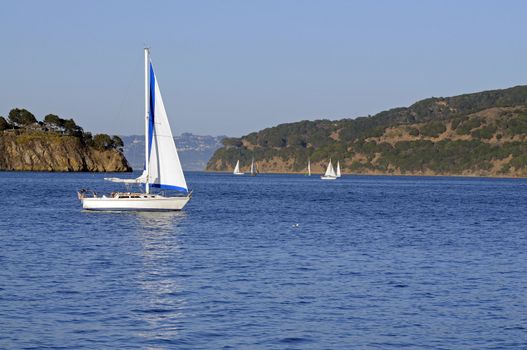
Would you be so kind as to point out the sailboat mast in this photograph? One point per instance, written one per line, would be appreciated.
(147, 103)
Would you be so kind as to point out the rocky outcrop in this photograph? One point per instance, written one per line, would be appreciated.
(45, 151)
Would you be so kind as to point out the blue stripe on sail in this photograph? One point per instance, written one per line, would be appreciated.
(152, 109)
(169, 187)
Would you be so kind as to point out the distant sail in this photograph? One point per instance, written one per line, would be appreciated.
(254, 168)
(309, 167)
(338, 169)
(330, 172)
(237, 169)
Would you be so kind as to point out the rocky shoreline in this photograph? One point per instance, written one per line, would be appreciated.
(45, 151)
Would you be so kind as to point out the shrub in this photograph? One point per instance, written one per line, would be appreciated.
(433, 129)
(413, 131)
(486, 132)
(468, 125)
(456, 121)
(4, 124)
(518, 125)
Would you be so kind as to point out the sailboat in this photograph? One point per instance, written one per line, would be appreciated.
(254, 170)
(308, 167)
(330, 173)
(338, 169)
(237, 169)
(162, 166)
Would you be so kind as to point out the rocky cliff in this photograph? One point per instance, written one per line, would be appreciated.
(26, 150)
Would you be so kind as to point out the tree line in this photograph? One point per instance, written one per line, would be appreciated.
(24, 120)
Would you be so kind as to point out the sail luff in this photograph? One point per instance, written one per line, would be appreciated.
(147, 108)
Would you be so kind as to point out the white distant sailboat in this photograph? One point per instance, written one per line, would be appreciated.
(162, 166)
(254, 170)
(237, 169)
(338, 169)
(308, 167)
(330, 173)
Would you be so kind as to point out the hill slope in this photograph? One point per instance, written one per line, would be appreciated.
(482, 133)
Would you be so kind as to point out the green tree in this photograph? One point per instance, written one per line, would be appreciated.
(87, 138)
(21, 117)
(4, 124)
(69, 125)
(433, 129)
(231, 142)
(102, 141)
(117, 142)
(54, 120)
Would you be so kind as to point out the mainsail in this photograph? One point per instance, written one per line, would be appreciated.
(338, 169)
(330, 171)
(237, 168)
(309, 167)
(164, 170)
(164, 167)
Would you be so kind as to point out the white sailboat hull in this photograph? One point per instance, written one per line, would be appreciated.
(328, 177)
(143, 203)
(238, 173)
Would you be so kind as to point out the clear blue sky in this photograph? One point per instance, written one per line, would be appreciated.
(232, 67)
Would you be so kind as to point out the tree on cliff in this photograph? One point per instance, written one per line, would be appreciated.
(21, 117)
(117, 142)
(54, 121)
(65, 125)
(4, 124)
(102, 141)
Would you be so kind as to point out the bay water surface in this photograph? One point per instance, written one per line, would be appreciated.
(267, 262)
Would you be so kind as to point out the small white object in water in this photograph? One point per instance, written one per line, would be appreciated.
(296, 225)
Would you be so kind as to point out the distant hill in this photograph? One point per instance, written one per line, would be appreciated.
(55, 144)
(482, 133)
(194, 150)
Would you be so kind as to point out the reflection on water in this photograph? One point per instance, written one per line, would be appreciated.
(162, 220)
(162, 302)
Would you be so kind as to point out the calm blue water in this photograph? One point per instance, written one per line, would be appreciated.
(375, 263)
